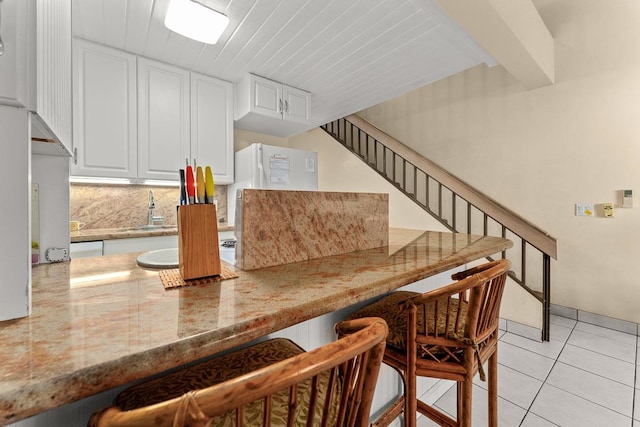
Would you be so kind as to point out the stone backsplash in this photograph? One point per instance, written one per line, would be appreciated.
(118, 206)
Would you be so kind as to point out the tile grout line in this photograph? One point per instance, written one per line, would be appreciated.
(635, 379)
(584, 370)
(635, 382)
(555, 361)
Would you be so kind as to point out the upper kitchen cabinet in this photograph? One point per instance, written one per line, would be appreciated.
(15, 16)
(264, 97)
(104, 112)
(53, 104)
(212, 125)
(140, 119)
(271, 107)
(36, 67)
(163, 120)
(296, 104)
(183, 115)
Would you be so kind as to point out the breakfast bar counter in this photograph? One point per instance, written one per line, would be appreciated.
(98, 323)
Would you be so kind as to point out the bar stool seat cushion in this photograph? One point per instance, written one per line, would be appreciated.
(224, 368)
(389, 308)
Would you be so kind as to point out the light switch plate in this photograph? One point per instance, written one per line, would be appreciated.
(585, 209)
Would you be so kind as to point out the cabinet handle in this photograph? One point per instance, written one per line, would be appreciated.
(75, 155)
(286, 106)
(280, 106)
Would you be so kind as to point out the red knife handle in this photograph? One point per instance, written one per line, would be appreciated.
(191, 189)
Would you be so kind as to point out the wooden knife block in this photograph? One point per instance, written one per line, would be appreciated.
(198, 250)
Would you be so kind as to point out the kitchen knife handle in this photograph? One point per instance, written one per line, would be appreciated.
(209, 184)
(183, 188)
(191, 193)
(200, 186)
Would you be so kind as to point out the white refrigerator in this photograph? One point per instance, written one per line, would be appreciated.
(270, 167)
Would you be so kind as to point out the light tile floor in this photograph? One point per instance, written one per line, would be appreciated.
(584, 376)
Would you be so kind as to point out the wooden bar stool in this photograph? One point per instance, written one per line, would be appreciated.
(446, 333)
(271, 383)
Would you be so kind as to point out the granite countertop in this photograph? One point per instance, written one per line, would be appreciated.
(93, 234)
(101, 322)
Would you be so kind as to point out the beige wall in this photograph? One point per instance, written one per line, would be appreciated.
(541, 151)
(340, 170)
(244, 138)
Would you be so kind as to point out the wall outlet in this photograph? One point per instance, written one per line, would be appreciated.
(608, 210)
(585, 209)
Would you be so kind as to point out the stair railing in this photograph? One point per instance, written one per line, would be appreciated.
(458, 206)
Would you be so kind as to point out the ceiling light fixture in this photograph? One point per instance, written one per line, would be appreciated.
(195, 21)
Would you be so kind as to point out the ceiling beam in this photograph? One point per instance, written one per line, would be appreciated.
(512, 32)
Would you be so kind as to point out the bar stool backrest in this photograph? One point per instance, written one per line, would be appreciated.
(341, 377)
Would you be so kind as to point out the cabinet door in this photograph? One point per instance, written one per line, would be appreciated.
(266, 97)
(15, 247)
(296, 104)
(104, 112)
(14, 62)
(139, 244)
(163, 120)
(54, 68)
(212, 125)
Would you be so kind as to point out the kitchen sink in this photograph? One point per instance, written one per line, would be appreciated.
(162, 258)
(168, 258)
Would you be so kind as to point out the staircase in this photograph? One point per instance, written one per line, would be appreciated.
(455, 204)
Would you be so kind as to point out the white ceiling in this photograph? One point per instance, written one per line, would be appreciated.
(349, 54)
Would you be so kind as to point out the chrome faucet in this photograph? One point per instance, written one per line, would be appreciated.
(152, 206)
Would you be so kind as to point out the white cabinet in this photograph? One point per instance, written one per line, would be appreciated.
(85, 249)
(163, 120)
(139, 244)
(104, 112)
(15, 77)
(212, 126)
(276, 100)
(265, 97)
(53, 76)
(183, 115)
(15, 247)
(140, 119)
(35, 68)
(226, 235)
(296, 104)
(120, 246)
(267, 106)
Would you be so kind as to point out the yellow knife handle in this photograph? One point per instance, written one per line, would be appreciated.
(200, 186)
(209, 185)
